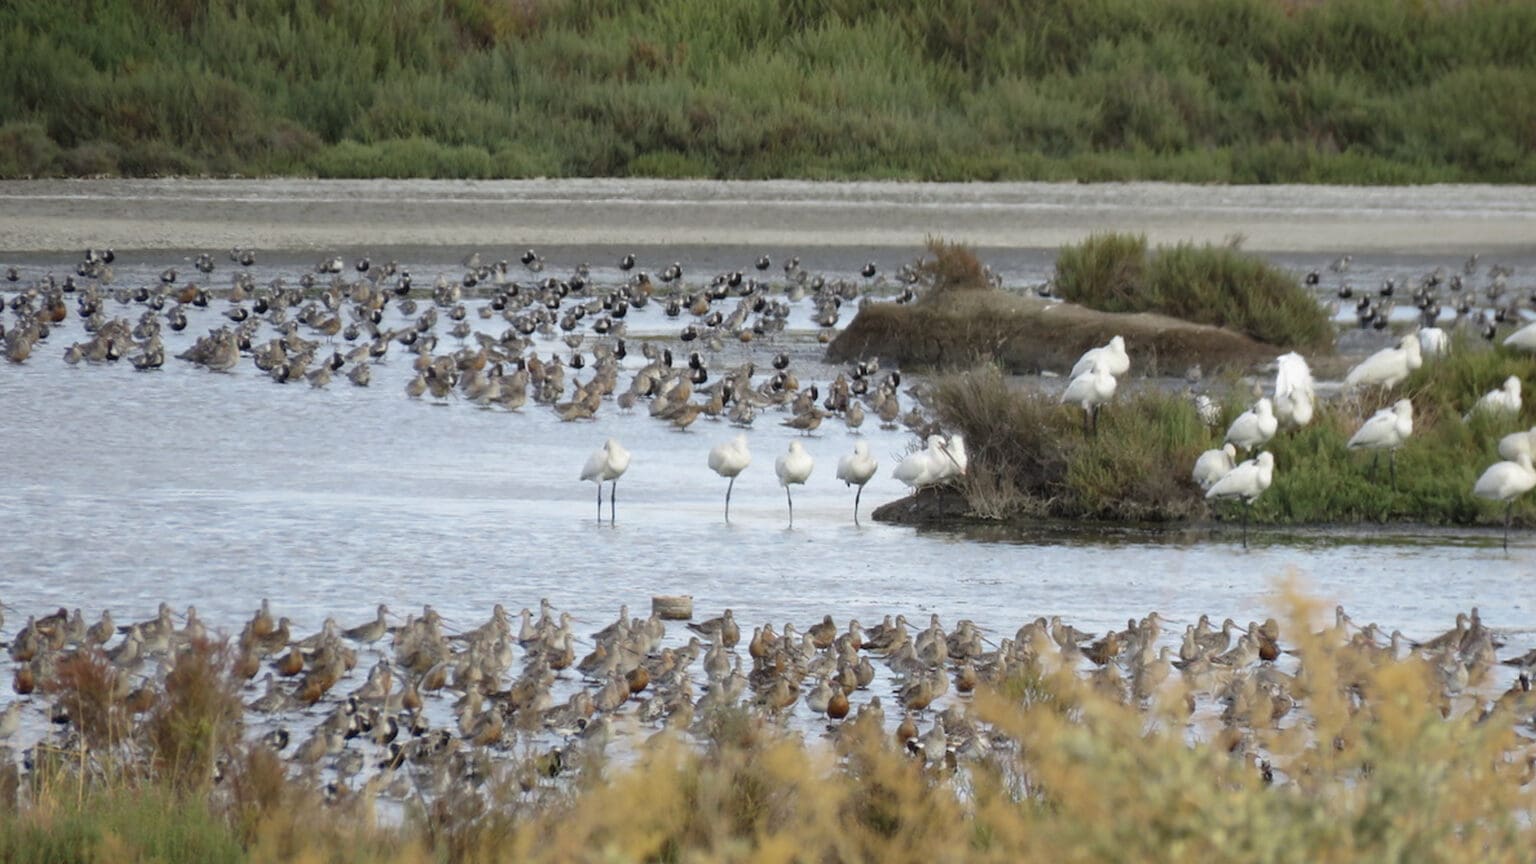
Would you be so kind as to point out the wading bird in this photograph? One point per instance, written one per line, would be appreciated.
(1387, 429)
(728, 460)
(1246, 482)
(855, 469)
(607, 463)
(793, 467)
(1506, 481)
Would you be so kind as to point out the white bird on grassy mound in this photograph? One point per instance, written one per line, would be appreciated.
(1214, 465)
(1246, 482)
(1433, 342)
(1506, 481)
(728, 460)
(956, 460)
(794, 467)
(1090, 390)
(607, 464)
(1387, 429)
(1388, 367)
(856, 469)
(1111, 356)
(1253, 428)
(1505, 400)
(923, 467)
(1515, 443)
(1523, 339)
(1294, 396)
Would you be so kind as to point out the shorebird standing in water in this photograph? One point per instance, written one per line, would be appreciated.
(607, 464)
(855, 469)
(728, 460)
(793, 467)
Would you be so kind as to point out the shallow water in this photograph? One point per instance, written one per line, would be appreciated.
(126, 488)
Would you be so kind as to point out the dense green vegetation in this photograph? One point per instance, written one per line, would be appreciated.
(1030, 456)
(1367, 91)
(1217, 285)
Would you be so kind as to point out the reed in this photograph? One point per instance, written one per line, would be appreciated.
(1343, 91)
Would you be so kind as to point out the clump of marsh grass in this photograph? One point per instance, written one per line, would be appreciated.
(949, 268)
(1219, 285)
(199, 718)
(1030, 455)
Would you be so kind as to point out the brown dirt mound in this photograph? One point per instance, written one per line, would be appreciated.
(1027, 334)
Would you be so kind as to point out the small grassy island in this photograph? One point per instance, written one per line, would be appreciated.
(1030, 456)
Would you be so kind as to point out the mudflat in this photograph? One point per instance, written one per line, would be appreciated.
(44, 215)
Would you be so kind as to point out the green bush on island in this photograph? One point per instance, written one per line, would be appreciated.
(1030, 456)
(1339, 91)
(1218, 285)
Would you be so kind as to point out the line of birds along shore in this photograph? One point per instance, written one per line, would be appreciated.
(436, 704)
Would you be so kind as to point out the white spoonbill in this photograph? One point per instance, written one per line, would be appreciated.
(607, 463)
(1253, 428)
(1504, 400)
(1247, 482)
(1523, 339)
(1387, 429)
(1111, 356)
(793, 467)
(1433, 342)
(955, 460)
(728, 460)
(1090, 390)
(1506, 481)
(1294, 395)
(1515, 443)
(855, 469)
(1388, 367)
(1214, 465)
(923, 467)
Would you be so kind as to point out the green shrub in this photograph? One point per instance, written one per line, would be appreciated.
(1218, 285)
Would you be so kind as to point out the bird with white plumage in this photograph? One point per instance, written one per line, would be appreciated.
(1112, 357)
(1294, 394)
(1253, 428)
(856, 469)
(1506, 481)
(729, 460)
(1388, 367)
(1090, 390)
(607, 464)
(1214, 465)
(1246, 482)
(1503, 401)
(1387, 429)
(793, 468)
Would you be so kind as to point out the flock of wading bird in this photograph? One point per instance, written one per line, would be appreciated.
(380, 307)
(436, 707)
(1217, 471)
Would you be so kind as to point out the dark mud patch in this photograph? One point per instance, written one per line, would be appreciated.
(1026, 335)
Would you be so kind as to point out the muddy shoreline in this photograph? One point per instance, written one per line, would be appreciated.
(42, 215)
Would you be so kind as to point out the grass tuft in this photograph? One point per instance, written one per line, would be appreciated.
(1219, 285)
